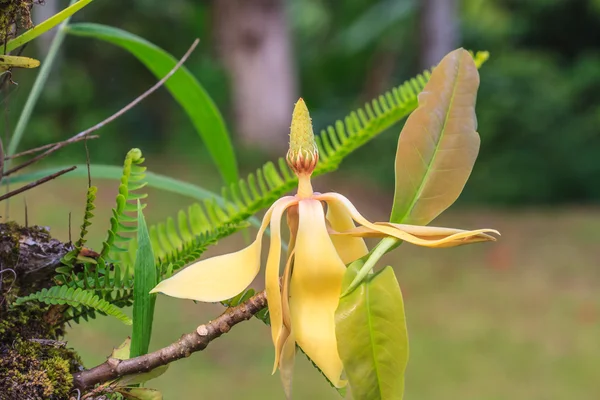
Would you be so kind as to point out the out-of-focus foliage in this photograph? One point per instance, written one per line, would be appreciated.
(538, 110)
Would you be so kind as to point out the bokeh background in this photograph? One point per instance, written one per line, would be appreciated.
(517, 319)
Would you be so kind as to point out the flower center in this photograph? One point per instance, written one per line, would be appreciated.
(303, 155)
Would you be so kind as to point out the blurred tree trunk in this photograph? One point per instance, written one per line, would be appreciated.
(439, 30)
(254, 43)
(40, 14)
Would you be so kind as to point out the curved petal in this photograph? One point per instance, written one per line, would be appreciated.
(272, 275)
(286, 322)
(420, 235)
(286, 364)
(349, 248)
(221, 277)
(315, 289)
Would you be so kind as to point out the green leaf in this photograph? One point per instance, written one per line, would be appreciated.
(145, 279)
(141, 394)
(184, 87)
(438, 144)
(122, 352)
(45, 26)
(130, 380)
(372, 336)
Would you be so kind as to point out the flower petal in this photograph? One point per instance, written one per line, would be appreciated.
(286, 327)
(315, 289)
(272, 275)
(349, 248)
(427, 236)
(222, 277)
(286, 364)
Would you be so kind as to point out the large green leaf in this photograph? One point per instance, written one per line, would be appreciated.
(145, 278)
(45, 26)
(184, 87)
(438, 144)
(372, 336)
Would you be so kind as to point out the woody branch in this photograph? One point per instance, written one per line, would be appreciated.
(188, 343)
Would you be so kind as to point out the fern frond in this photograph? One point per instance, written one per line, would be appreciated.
(115, 284)
(108, 272)
(76, 298)
(244, 199)
(69, 259)
(122, 223)
(87, 215)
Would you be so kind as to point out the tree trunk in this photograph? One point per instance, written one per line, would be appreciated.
(439, 30)
(40, 14)
(254, 43)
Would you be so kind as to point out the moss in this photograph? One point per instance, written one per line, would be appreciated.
(30, 370)
(15, 13)
(57, 370)
(30, 320)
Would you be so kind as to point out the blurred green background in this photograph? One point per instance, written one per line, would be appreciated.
(517, 319)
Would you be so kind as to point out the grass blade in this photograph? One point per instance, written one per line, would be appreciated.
(46, 25)
(145, 278)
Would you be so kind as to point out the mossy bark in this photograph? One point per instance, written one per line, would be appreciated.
(34, 364)
(14, 15)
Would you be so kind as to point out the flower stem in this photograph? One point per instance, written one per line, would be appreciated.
(305, 189)
(385, 245)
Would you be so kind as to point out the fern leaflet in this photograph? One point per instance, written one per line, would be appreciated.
(76, 298)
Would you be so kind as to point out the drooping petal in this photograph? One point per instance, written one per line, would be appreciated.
(286, 343)
(427, 236)
(221, 277)
(315, 289)
(286, 364)
(286, 326)
(272, 274)
(349, 248)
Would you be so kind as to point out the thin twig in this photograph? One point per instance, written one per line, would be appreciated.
(6, 137)
(87, 163)
(47, 146)
(189, 343)
(1, 159)
(36, 183)
(109, 119)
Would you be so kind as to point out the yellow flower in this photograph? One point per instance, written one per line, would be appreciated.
(323, 239)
